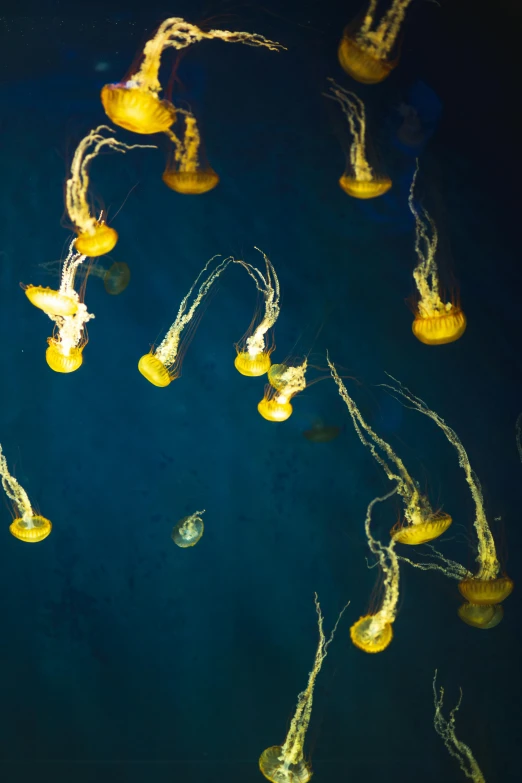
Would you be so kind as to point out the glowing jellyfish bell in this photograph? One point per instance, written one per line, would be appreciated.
(184, 172)
(162, 365)
(366, 50)
(27, 525)
(359, 180)
(135, 104)
(436, 322)
(284, 383)
(188, 531)
(286, 763)
(253, 354)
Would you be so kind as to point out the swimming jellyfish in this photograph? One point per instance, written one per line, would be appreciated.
(188, 530)
(253, 355)
(95, 237)
(286, 763)
(359, 180)
(27, 526)
(446, 731)
(115, 279)
(373, 632)
(436, 322)
(366, 51)
(485, 590)
(163, 364)
(421, 523)
(184, 173)
(285, 382)
(135, 104)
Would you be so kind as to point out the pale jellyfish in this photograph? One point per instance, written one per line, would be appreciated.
(188, 530)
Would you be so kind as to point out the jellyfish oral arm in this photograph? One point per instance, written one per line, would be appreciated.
(14, 491)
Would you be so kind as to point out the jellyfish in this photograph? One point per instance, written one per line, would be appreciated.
(446, 731)
(27, 525)
(115, 279)
(373, 632)
(188, 530)
(421, 523)
(366, 51)
(64, 301)
(95, 237)
(284, 383)
(253, 354)
(286, 763)
(163, 364)
(359, 181)
(135, 104)
(487, 588)
(184, 173)
(436, 322)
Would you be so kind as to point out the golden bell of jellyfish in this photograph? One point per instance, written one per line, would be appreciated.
(59, 361)
(252, 366)
(486, 592)
(286, 763)
(272, 410)
(188, 530)
(95, 238)
(28, 526)
(360, 180)
(430, 528)
(50, 301)
(135, 104)
(370, 635)
(436, 322)
(365, 51)
(163, 364)
(191, 182)
(484, 617)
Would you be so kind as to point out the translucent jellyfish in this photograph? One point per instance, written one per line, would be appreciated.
(421, 523)
(163, 364)
(446, 731)
(95, 237)
(135, 103)
(285, 383)
(27, 525)
(184, 172)
(115, 279)
(487, 587)
(373, 632)
(253, 354)
(366, 51)
(188, 530)
(436, 322)
(286, 763)
(359, 180)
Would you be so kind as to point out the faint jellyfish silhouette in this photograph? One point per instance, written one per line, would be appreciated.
(188, 530)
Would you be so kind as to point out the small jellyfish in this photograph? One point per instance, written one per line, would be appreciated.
(421, 524)
(359, 180)
(163, 364)
(373, 632)
(27, 525)
(366, 51)
(446, 731)
(436, 322)
(184, 173)
(487, 588)
(284, 383)
(135, 103)
(188, 530)
(95, 237)
(253, 354)
(286, 763)
(115, 279)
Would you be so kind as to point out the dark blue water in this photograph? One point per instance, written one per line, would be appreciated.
(125, 658)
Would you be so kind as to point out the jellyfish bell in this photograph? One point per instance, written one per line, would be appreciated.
(421, 532)
(116, 278)
(51, 301)
(370, 634)
(440, 329)
(252, 366)
(360, 64)
(154, 370)
(273, 767)
(101, 240)
(60, 361)
(188, 531)
(190, 182)
(137, 110)
(30, 528)
(273, 410)
(365, 189)
(486, 592)
(483, 617)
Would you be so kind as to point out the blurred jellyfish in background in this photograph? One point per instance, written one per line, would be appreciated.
(416, 118)
(188, 530)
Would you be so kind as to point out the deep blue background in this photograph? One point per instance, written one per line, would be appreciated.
(124, 658)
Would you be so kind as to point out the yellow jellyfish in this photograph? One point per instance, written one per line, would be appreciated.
(284, 383)
(95, 237)
(63, 302)
(446, 731)
(359, 180)
(436, 322)
(135, 104)
(253, 354)
(26, 526)
(188, 530)
(286, 763)
(487, 588)
(184, 173)
(366, 51)
(163, 364)
(421, 523)
(373, 632)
